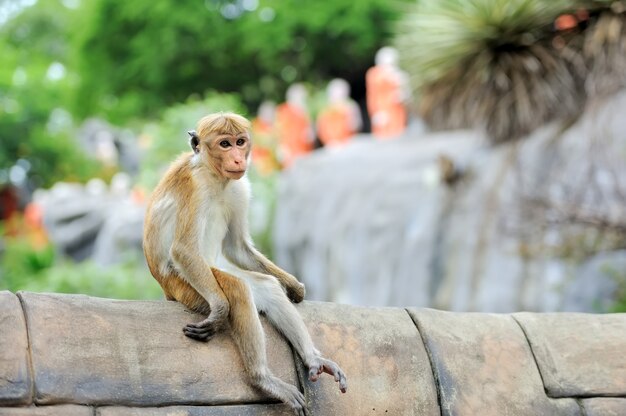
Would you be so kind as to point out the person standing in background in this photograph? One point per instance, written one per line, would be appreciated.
(340, 119)
(264, 151)
(386, 92)
(293, 126)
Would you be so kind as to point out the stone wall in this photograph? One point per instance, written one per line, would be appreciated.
(72, 355)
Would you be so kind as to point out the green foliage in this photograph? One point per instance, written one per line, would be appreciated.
(26, 267)
(35, 84)
(620, 305)
(21, 261)
(137, 57)
(619, 276)
(128, 280)
(262, 210)
(137, 60)
(129, 60)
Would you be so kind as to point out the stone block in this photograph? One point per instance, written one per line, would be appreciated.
(383, 356)
(484, 366)
(103, 351)
(61, 410)
(578, 354)
(243, 410)
(15, 381)
(605, 406)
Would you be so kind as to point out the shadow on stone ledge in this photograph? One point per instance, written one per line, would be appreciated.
(72, 355)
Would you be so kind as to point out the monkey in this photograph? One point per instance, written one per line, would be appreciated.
(199, 210)
(450, 172)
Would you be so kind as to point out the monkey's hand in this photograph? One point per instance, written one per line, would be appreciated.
(295, 291)
(293, 288)
(205, 329)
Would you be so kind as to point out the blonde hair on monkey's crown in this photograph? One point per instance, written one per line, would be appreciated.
(223, 122)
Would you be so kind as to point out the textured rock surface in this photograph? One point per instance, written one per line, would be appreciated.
(15, 382)
(61, 410)
(605, 407)
(90, 350)
(104, 357)
(247, 410)
(383, 355)
(484, 365)
(374, 223)
(569, 367)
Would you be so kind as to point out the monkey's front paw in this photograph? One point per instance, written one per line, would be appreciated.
(203, 330)
(296, 292)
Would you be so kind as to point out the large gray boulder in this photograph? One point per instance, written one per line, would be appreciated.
(524, 226)
(94, 221)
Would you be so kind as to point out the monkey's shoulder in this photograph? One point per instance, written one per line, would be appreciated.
(178, 175)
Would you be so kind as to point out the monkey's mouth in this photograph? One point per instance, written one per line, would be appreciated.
(236, 172)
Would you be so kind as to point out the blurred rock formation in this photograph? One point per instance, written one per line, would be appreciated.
(537, 224)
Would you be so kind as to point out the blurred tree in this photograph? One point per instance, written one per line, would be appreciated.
(34, 89)
(67, 59)
(137, 57)
(487, 60)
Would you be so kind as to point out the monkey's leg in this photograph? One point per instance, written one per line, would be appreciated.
(248, 335)
(199, 281)
(271, 299)
(175, 288)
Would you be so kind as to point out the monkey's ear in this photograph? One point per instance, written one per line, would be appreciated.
(195, 141)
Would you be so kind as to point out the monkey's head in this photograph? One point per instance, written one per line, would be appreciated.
(222, 142)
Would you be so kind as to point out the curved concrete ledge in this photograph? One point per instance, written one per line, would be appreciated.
(75, 355)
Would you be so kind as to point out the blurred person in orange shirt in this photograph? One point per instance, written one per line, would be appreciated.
(386, 90)
(340, 120)
(293, 126)
(264, 135)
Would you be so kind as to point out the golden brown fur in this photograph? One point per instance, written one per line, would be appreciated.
(178, 181)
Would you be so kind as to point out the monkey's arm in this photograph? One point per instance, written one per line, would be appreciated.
(238, 249)
(186, 255)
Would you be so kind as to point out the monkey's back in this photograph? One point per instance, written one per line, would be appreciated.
(161, 213)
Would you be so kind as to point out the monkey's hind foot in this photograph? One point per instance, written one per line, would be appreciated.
(322, 365)
(203, 330)
(285, 392)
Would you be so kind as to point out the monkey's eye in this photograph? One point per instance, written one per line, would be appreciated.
(241, 142)
(224, 144)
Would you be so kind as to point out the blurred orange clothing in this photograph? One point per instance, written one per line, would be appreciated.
(335, 125)
(387, 112)
(263, 151)
(34, 227)
(293, 128)
(261, 127)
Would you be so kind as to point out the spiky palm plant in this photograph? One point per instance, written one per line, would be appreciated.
(490, 63)
(605, 47)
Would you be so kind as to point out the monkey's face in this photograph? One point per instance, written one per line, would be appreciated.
(228, 154)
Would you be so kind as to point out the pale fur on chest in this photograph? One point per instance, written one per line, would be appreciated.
(218, 209)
